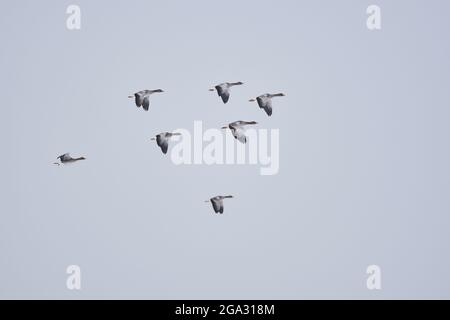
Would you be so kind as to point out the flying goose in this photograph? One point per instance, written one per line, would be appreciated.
(237, 129)
(162, 140)
(142, 98)
(217, 203)
(223, 89)
(265, 101)
(66, 158)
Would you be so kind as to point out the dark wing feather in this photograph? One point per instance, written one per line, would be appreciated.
(219, 90)
(265, 104)
(225, 96)
(162, 143)
(138, 99)
(146, 103)
(223, 93)
(260, 102)
(268, 110)
(216, 206)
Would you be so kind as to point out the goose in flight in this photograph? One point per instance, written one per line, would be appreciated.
(265, 101)
(223, 89)
(217, 203)
(237, 129)
(162, 140)
(66, 158)
(141, 98)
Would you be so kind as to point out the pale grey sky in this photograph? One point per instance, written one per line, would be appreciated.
(364, 150)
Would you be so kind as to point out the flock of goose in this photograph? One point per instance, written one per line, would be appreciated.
(142, 99)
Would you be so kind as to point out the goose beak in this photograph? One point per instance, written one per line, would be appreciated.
(130, 96)
(251, 100)
(211, 89)
(224, 127)
(152, 139)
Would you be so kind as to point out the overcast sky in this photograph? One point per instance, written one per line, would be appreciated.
(364, 150)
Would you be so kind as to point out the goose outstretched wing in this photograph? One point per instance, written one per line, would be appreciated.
(266, 104)
(163, 143)
(223, 92)
(239, 134)
(138, 98)
(146, 103)
(217, 205)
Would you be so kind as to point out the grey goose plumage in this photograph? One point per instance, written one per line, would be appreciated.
(223, 89)
(162, 140)
(217, 203)
(265, 101)
(67, 158)
(142, 98)
(237, 129)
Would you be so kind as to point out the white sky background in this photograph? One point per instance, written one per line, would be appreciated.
(364, 150)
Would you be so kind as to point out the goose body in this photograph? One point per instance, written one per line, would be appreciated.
(142, 98)
(237, 129)
(265, 101)
(223, 89)
(217, 203)
(162, 140)
(66, 158)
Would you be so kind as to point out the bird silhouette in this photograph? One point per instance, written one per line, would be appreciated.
(265, 101)
(237, 129)
(162, 140)
(66, 158)
(217, 203)
(142, 98)
(223, 89)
